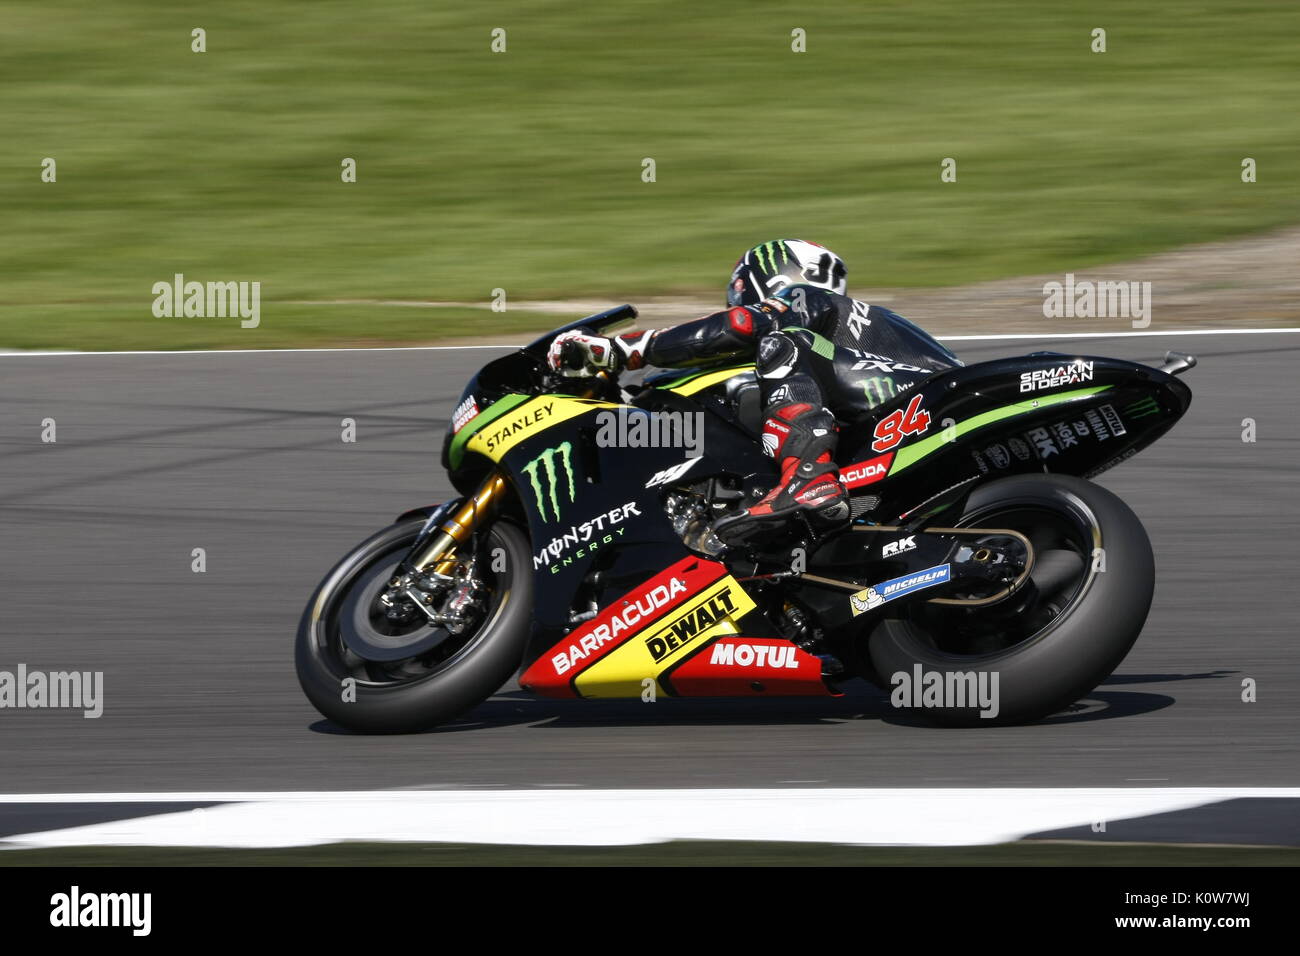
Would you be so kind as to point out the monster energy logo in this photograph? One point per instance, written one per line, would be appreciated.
(771, 248)
(879, 390)
(1143, 408)
(546, 461)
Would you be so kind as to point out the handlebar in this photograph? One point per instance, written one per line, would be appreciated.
(600, 381)
(571, 358)
(571, 355)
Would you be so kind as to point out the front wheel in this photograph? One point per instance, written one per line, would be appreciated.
(1040, 650)
(376, 661)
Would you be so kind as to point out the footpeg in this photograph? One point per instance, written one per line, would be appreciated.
(832, 666)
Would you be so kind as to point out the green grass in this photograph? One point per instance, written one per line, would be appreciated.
(117, 326)
(680, 853)
(522, 170)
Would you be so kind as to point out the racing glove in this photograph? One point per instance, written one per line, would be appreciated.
(577, 353)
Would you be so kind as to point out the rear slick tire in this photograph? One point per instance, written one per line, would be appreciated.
(1079, 648)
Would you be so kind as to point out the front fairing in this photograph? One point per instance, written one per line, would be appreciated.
(507, 381)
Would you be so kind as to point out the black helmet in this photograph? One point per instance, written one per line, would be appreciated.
(770, 267)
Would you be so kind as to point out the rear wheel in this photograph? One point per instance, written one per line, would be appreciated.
(1053, 641)
(380, 662)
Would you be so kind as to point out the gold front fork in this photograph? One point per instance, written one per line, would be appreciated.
(439, 554)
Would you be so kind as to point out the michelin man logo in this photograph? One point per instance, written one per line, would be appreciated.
(865, 600)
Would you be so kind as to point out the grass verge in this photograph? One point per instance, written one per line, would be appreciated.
(523, 170)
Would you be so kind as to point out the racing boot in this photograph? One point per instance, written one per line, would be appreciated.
(801, 439)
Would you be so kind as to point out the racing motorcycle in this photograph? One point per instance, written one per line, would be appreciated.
(588, 567)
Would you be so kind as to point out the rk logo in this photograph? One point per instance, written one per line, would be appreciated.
(544, 473)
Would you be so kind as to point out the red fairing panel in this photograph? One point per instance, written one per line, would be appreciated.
(552, 674)
(731, 666)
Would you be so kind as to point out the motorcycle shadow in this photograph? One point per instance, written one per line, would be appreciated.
(861, 701)
(1165, 678)
(1098, 705)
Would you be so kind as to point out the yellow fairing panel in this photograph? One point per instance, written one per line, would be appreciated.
(531, 418)
(702, 382)
(712, 613)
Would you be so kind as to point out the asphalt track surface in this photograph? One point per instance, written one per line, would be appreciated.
(240, 454)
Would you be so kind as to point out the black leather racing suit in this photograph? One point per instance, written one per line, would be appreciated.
(820, 357)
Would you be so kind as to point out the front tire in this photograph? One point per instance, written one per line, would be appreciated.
(390, 695)
(1048, 652)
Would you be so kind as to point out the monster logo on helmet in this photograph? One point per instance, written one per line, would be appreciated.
(771, 266)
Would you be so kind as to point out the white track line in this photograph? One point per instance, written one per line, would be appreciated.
(377, 348)
(1109, 335)
(924, 817)
(1033, 336)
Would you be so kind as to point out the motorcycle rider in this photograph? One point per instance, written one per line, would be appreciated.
(819, 356)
